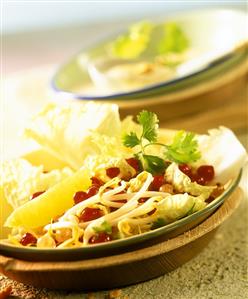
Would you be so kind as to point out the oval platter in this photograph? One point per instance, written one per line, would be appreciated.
(125, 268)
(123, 245)
(72, 78)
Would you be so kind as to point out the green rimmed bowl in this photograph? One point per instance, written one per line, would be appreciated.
(204, 29)
(123, 245)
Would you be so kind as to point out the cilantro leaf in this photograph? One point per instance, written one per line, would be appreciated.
(149, 122)
(131, 140)
(153, 164)
(104, 227)
(183, 148)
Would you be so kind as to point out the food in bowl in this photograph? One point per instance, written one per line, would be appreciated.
(147, 54)
(123, 178)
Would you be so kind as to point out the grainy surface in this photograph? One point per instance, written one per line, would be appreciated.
(220, 271)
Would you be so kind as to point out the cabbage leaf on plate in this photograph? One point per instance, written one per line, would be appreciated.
(174, 207)
(66, 131)
(182, 182)
(19, 180)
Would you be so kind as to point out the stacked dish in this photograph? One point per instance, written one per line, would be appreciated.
(207, 69)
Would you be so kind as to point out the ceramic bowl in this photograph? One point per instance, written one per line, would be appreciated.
(205, 29)
(123, 245)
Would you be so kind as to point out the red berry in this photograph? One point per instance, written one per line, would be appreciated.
(121, 200)
(112, 172)
(80, 196)
(112, 209)
(96, 181)
(36, 194)
(142, 199)
(89, 214)
(199, 179)
(210, 199)
(121, 192)
(93, 190)
(158, 181)
(151, 212)
(186, 169)
(206, 171)
(100, 238)
(28, 239)
(133, 163)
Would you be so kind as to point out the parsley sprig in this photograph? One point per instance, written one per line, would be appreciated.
(184, 148)
(149, 123)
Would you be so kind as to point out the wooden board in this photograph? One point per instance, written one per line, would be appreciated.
(121, 269)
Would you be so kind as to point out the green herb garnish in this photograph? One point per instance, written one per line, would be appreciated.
(153, 164)
(131, 140)
(184, 148)
(149, 123)
(104, 227)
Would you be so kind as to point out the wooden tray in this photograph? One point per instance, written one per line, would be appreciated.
(122, 269)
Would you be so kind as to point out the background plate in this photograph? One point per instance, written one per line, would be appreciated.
(203, 28)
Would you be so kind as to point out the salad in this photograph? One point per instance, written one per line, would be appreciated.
(146, 54)
(118, 178)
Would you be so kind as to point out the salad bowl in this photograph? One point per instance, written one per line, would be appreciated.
(74, 208)
(210, 58)
(121, 269)
(122, 245)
